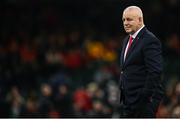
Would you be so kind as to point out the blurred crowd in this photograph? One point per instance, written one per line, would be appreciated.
(61, 58)
(60, 70)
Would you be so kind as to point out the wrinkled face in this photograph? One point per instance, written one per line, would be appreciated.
(131, 21)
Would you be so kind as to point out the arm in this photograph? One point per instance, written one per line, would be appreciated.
(153, 63)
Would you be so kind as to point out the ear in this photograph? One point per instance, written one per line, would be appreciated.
(140, 19)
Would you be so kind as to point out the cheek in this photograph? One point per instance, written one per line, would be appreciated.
(135, 25)
(132, 24)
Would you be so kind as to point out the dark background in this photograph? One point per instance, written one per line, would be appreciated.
(72, 47)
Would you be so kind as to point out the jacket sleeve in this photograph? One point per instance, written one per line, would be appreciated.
(154, 66)
(153, 88)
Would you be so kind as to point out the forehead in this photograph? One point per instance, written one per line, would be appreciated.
(130, 14)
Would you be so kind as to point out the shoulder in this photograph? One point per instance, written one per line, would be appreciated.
(150, 41)
(150, 37)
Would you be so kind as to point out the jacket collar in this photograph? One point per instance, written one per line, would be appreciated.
(137, 32)
(132, 47)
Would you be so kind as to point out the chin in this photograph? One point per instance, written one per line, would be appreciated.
(128, 31)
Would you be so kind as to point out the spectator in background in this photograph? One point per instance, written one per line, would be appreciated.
(16, 101)
(30, 109)
(63, 101)
(176, 112)
(45, 101)
(82, 103)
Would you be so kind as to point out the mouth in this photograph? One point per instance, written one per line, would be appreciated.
(127, 28)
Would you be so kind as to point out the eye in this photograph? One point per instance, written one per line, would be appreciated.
(129, 19)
